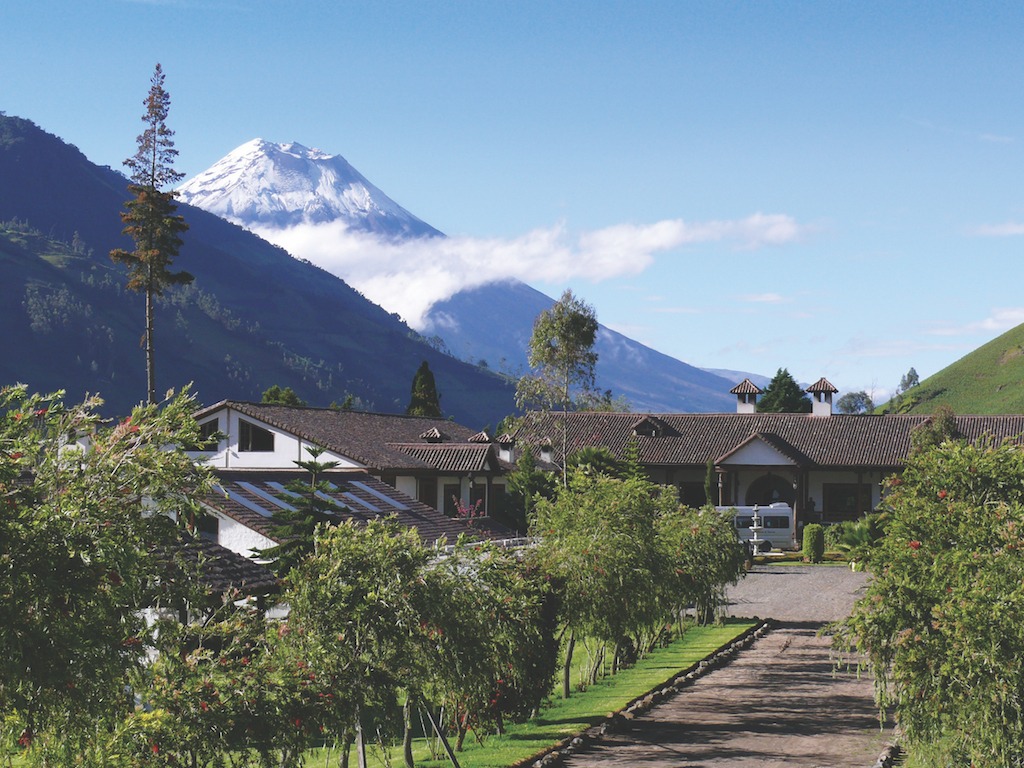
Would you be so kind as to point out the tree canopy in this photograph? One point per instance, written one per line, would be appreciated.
(784, 395)
(855, 403)
(561, 354)
(78, 534)
(941, 622)
(276, 395)
(425, 400)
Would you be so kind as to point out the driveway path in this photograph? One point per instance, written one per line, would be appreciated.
(779, 703)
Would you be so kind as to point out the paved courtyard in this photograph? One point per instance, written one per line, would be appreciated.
(779, 703)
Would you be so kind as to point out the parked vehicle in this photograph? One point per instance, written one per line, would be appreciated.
(775, 525)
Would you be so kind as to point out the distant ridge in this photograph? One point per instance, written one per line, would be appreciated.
(254, 317)
(262, 184)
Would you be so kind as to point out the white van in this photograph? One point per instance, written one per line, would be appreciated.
(776, 524)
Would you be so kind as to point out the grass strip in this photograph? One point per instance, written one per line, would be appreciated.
(564, 718)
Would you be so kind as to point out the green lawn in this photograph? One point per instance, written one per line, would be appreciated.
(567, 717)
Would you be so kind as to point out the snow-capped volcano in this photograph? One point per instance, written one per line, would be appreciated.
(280, 185)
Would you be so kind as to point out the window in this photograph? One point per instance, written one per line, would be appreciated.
(208, 527)
(478, 495)
(427, 491)
(391, 480)
(845, 501)
(452, 494)
(253, 438)
(208, 431)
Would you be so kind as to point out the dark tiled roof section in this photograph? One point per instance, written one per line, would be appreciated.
(836, 441)
(453, 457)
(220, 569)
(361, 436)
(821, 385)
(351, 486)
(746, 387)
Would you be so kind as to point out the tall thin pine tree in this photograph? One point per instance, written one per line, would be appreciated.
(149, 217)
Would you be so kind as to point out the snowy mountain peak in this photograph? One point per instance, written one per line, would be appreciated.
(262, 183)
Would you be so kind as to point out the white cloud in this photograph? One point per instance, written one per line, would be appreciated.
(999, 320)
(1007, 229)
(762, 298)
(410, 276)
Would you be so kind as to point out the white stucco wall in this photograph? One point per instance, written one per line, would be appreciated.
(287, 447)
(238, 538)
(758, 453)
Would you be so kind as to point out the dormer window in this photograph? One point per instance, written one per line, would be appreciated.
(647, 427)
(253, 438)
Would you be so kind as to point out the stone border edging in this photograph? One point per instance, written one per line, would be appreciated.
(888, 757)
(557, 753)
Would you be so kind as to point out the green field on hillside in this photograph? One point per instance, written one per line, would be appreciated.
(988, 381)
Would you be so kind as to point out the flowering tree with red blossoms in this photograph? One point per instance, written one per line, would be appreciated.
(942, 623)
(78, 526)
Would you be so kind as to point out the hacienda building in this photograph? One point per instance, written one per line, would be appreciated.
(434, 461)
(828, 467)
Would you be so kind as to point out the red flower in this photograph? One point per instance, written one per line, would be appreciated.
(25, 740)
(204, 706)
(915, 544)
(155, 748)
(40, 413)
(942, 494)
(17, 455)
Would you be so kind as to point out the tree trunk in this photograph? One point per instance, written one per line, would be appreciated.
(360, 741)
(150, 365)
(598, 663)
(567, 669)
(407, 733)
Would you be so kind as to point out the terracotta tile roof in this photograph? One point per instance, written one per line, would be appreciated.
(220, 569)
(252, 496)
(453, 457)
(835, 441)
(746, 387)
(364, 437)
(822, 385)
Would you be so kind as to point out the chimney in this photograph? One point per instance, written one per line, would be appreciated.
(821, 393)
(746, 396)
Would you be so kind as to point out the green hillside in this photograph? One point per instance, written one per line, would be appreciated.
(988, 381)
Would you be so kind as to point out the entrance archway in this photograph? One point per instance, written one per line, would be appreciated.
(768, 489)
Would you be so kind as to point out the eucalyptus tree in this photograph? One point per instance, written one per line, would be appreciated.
(561, 354)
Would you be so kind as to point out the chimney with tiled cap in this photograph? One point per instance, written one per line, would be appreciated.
(746, 396)
(821, 393)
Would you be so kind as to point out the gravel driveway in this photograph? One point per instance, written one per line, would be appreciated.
(778, 704)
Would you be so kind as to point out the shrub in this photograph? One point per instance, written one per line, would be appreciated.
(814, 543)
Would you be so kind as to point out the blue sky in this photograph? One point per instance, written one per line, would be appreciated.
(830, 187)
